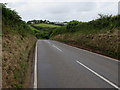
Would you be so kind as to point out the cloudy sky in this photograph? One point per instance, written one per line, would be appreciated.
(61, 10)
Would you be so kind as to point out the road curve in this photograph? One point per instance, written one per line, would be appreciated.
(63, 66)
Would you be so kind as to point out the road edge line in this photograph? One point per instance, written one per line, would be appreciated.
(100, 76)
(35, 68)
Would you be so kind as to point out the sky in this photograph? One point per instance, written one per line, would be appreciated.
(63, 10)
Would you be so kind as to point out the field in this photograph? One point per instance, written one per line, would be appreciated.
(46, 25)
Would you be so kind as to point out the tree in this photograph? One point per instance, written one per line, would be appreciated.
(71, 26)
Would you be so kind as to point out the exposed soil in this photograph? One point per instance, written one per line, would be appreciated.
(29, 75)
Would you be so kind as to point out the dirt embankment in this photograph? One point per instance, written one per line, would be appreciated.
(16, 59)
(104, 43)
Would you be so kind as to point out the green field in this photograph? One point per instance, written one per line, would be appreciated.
(46, 25)
(34, 29)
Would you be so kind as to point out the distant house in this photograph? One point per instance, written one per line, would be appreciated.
(32, 22)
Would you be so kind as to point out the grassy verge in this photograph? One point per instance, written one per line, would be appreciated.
(17, 41)
(15, 59)
(100, 35)
(106, 43)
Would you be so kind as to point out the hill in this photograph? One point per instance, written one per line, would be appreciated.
(43, 31)
(18, 42)
(100, 35)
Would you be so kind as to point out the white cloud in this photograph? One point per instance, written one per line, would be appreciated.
(63, 11)
(58, 1)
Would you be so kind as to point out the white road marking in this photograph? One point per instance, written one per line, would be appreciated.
(57, 48)
(98, 75)
(48, 42)
(35, 68)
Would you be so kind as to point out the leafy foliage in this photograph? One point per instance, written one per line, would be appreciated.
(106, 22)
(11, 19)
(43, 31)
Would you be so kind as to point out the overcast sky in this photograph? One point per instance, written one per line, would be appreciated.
(61, 10)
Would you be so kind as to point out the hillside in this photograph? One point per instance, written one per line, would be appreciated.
(18, 42)
(46, 25)
(43, 31)
(100, 35)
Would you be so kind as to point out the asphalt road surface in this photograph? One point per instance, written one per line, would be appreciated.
(63, 66)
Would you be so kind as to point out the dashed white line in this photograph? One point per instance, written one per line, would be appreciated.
(57, 48)
(103, 78)
(35, 68)
(48, 42)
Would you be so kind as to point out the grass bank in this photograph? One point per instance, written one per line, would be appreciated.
(18, 41)
(16, 59)
(100, 35)
(102, 43)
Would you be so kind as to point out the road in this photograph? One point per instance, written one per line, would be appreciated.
(62, 66)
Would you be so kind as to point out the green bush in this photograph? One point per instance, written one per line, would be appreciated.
(105, 22)
(11, 19)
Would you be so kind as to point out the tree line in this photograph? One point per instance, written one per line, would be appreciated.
(107, 22)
